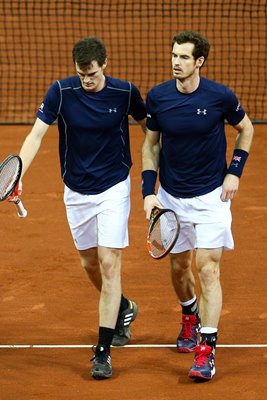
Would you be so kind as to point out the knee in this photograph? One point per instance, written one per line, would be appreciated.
(89, 261)
(209, 275)
(90, 267)
(110, 266)
(208, 266)
(180, 266)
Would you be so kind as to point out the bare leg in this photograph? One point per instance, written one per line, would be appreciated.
(208, 267)
(110, 297)
(89, 261)
(107, 269)
(182, 277)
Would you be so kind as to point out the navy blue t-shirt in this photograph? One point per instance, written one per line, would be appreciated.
(193, 152)
(94, 144)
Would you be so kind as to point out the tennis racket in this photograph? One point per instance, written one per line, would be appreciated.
(163, 232)
(10, 172)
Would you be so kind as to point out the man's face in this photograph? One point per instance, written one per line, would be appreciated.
(183, 63)
(92, 78)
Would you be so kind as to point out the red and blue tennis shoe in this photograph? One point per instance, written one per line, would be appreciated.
(188, 337)
(204, 363)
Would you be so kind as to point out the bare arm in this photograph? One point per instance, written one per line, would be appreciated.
(150, 151)
(150, 161)
(142, 123)
(243, 142)
(245, 134)
(32, 144)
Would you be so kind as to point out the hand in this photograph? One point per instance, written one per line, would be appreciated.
(229, 187)
(16, 192)
(150, 202)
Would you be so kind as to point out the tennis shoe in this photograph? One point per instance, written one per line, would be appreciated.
(203, 368)
(122, 333)
(188, 337)
(102, 368)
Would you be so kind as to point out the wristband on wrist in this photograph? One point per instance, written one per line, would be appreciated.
(238, 162)
(149, 178)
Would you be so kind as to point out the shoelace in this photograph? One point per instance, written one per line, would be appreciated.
(101, 354)
(187, 328)
(202, 352)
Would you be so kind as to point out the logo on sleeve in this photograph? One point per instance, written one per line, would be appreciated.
(41, 108)
(237, 158)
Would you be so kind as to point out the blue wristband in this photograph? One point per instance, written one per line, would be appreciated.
(149, 179)
(238, 162)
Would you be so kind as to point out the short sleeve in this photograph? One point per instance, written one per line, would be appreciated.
(234, 113)
(152, 123)
(49, 109)
(137, 107)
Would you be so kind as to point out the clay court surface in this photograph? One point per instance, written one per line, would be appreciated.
(49, 317)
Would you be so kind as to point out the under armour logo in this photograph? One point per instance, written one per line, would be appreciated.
(204, 112)
(41, 107)
(111, 110)
(212, 363)
(238, 107)
(234, 164)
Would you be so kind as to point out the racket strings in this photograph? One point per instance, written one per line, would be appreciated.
(8, 176)
(163, 234)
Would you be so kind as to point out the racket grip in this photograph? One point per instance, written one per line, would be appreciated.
(22, 212)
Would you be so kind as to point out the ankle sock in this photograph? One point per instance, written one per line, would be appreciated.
(190, 307)
(209, 337)
(124, 304)
(105, 337)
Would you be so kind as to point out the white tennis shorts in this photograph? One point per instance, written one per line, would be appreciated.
(205, 221)
(101, 219)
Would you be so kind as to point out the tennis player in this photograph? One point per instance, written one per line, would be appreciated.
(186, 141)
(92, 111)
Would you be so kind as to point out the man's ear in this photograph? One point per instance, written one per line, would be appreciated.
(105, 63)
(200, 61)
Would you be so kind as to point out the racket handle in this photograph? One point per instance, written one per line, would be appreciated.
(22, 212)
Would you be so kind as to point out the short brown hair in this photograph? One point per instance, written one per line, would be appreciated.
(87, 50)
(201, 44)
